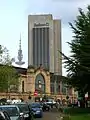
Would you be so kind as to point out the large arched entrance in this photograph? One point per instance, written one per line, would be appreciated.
(40, 83)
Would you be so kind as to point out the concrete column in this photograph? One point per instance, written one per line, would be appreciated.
(55, 87)
(60, 87)
(42, 47)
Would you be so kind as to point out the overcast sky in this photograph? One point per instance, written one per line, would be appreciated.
(14, 20)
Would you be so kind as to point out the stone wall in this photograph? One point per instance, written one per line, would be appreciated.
(25, 96)
(29, 86)
(29, 80)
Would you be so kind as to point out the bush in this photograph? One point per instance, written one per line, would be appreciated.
(76, 110)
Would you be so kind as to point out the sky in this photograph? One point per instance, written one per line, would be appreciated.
(14, 20)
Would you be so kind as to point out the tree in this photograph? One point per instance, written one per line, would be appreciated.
(78, 63)
(4, 56)
(8, 79)
(8, 76)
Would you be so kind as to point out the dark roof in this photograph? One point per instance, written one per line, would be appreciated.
(21, 70)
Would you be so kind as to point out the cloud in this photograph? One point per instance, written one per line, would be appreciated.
(67, 10)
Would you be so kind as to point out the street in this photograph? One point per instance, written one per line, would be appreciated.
(49, 116)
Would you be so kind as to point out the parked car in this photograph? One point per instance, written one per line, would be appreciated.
(51, 102)
(45, 106)
(36, 109)
(25, 110)
(4, 115)
(13, 111)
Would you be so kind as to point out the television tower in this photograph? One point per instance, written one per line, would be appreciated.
(20, 55)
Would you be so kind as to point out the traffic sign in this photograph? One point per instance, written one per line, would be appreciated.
(35, 93)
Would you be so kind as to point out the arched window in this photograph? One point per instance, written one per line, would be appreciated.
(40, 83)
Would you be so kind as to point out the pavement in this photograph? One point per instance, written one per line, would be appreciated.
(51, 115)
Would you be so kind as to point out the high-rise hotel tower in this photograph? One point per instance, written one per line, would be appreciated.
(44, 42)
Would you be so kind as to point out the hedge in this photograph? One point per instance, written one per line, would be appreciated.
(72, 111)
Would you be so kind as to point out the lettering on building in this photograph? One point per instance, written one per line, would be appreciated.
(40, 24)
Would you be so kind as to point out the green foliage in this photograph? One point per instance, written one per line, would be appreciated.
(8, 76)
(81, 117)
(8, 79)
(74, 117)
(78, 63)
(75, 111)
(4, 56)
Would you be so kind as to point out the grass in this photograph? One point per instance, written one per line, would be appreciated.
(81, 117)
(74, 117)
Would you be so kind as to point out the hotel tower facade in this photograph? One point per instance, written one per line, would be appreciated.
(44, 42)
